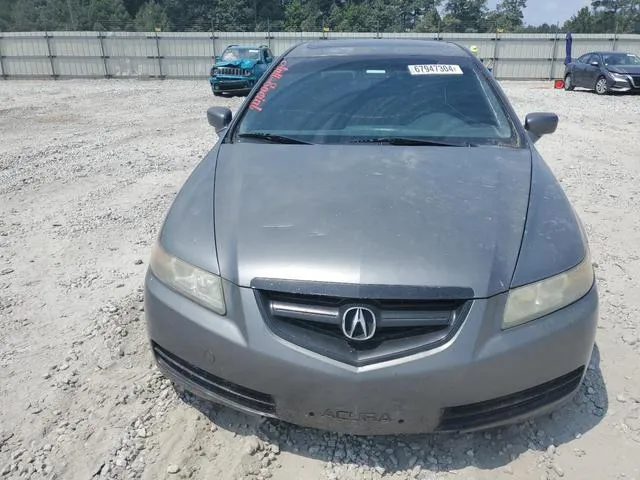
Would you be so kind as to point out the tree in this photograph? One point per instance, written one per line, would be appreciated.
(620, 16)
(151, 16)
(581, 22)
(190, 15)
(6, 14)
(234, 15)
(49, 15)
(269, 14)
(508, 15)
(108, 15)
(465, 15)
(29, 15)
(352, 17)
(429, 22)
(303, 15)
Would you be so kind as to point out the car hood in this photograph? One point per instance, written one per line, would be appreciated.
(625, 69)
(244, 63)
(375, 215)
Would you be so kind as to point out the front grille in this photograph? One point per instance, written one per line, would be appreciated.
(257, 402)
(477, 415)
(234, 71)
(636, 80)
(404, 326)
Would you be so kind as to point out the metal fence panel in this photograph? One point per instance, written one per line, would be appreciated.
(186, 67)
(75, 44)
(24, 44)
(136, 45)
(27, 67)
(186, 45)
(628, 43)
(133, 67)
(72, 67)
(190, 54)
(584, 43)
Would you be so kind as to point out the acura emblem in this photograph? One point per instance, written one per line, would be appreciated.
(358, 323)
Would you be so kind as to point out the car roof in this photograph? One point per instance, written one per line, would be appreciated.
(382, 47)
(253, 47)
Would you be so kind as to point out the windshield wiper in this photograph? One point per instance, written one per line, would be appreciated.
(411, 141)
(274, 138)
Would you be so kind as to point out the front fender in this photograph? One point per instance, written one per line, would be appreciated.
(553, 239)
(188, 230)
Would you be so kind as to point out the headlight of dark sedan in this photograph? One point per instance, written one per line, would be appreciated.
(619, 77)
(546, 296)
(199, 285)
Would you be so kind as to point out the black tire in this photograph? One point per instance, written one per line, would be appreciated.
(601, 86)
(568, 83)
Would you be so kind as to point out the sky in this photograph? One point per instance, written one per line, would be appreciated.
(549, 11)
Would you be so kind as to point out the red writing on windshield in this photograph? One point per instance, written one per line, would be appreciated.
(270, 84)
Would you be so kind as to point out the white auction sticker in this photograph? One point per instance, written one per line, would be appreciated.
(435, 69)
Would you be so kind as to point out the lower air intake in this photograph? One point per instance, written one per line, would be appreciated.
(477, 415)
(258, 402)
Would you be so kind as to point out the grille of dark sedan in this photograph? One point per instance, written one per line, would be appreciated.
(238, 72)
(477, 415)
(636, 80)
(253, 400)
(403, 326)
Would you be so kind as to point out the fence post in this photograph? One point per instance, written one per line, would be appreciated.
(614, 41)
(159, 56)
(554, 56)
(3, 72)
(213, 38)
(101, 37)
(496, 39)
(269, 33)
(53, 67)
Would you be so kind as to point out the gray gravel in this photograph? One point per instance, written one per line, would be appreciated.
(87, 171)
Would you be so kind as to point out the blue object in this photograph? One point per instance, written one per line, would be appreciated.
(569, 44)
(238, 69)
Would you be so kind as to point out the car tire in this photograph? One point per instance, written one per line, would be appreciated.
(601, 87)
(568, 83)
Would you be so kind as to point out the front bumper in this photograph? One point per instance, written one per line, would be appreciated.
(231, 84)
(483, 377)
(629, 84)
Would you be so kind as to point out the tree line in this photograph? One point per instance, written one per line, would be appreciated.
(470, 16)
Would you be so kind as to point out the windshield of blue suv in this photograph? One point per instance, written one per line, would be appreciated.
(233, 54)
(621, 59)
(329, 100)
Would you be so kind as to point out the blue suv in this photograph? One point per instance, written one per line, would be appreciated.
(238, 69)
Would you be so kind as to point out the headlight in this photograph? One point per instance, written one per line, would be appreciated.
(200, 286)
(619, 77)
(546, 296)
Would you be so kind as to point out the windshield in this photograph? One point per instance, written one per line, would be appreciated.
(621, 59)
(348, 100)
(233, 54)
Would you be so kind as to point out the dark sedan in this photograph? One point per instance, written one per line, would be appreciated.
(604, 72)
(375, 246)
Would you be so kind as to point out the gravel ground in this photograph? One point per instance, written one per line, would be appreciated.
(87, 171)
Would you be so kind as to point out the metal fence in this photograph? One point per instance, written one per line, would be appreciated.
(190, 54)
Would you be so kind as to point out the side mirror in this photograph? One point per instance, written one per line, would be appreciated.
(540, 124)
(219, 117)
(595, 64)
